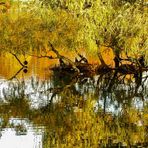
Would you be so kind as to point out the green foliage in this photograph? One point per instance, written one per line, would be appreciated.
(24, 29)
(121, 25)
(118, 24)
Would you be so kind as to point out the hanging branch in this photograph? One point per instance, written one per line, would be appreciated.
(63, 58)
(18, 60)
(41, 56)
(23, 66)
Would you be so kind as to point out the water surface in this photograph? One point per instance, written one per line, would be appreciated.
(44, 108)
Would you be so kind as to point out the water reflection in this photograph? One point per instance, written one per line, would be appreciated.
(11, 68)
(21, 134)
(76, 111)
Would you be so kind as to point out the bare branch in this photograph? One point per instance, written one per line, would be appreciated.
(59, 56)
(18, 59)
(41, 56)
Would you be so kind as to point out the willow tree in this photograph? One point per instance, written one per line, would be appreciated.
(117, 24)
(120, 25)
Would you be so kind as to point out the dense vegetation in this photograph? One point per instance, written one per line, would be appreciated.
(74, 25)
(74, 121)
(49, 28)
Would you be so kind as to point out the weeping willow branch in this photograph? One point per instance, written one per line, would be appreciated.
(59, 56)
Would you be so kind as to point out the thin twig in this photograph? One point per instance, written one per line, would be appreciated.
(41, 56)
(18, 59)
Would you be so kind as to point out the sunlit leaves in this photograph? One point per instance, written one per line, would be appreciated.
(74, 24)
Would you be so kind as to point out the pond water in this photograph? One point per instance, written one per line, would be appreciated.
(40, 108)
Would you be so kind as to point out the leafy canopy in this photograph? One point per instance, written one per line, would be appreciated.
(119, 24)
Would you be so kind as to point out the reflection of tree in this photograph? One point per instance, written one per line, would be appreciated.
(110, 86)
(71, 118)
(14, 76)
(117, 90)
(23, 66)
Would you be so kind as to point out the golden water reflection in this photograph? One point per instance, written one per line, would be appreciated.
(64, 112)
(39, 67)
